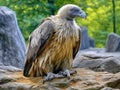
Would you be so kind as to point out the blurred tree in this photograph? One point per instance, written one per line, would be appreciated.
(114, 21)
(99, 19)
(51, 7)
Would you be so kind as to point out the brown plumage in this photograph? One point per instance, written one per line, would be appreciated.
(54, 43)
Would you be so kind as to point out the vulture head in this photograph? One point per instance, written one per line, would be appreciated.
(71, 11)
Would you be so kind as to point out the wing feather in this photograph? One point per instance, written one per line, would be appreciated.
(76, 48)
(37, 40)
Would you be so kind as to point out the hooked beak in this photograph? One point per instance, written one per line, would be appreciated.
(82, 14)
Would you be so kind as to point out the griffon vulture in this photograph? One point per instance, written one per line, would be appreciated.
(53, 44)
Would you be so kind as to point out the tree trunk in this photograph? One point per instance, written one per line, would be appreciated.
(114, 22)
(51, 8)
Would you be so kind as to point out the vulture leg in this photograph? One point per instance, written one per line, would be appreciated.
(67, 73)
(61, 74)
(51, 76)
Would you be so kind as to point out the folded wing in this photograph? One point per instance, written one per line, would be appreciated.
(39, 37)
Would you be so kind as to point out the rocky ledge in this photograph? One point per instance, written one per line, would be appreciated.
(96, 70)
(85, 79)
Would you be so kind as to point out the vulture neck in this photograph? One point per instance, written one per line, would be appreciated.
(66, 18)
(69, 19)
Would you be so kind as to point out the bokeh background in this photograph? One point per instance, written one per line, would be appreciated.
(103, 16)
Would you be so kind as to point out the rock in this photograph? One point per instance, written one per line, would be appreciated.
(108, 88)
(85, 79)
(91, 41)
(114, 83)
(86, 41)
(15, 86)
(113, 43)
(12, 44)
(98, 60)
(4, 69)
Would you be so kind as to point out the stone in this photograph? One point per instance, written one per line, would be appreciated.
(98, 60)
(15, 86)
(12, 44)
(114, 83)
(9, 68)
(113, 43)
(108, 88)
(85, 79)
(86, 41)
(91, 41)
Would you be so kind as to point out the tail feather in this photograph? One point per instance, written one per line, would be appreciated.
(27, 68)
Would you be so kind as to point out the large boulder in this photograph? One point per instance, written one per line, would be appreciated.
(113, 43)
(86, 41)
(12, 44)
(98, 60)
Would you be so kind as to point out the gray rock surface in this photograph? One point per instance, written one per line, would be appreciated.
(4, 69)
(86, 41)
(85, 79)
(98, 60)
(91, 41)
(11, 78)
(12, 44)
(113, 43)
(108, 88)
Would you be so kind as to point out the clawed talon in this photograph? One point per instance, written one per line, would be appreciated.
(61, 74)
(67, 73)
(51, 76)
(73, 72)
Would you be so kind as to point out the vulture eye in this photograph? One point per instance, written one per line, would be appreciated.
(75, 10)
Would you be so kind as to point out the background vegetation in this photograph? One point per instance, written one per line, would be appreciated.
(99, 15)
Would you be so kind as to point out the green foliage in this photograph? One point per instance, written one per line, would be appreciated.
(98, 21)
(29, 13)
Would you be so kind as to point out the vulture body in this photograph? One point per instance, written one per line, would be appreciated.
(54, 43)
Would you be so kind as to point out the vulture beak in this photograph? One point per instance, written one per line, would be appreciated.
(82, 14)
